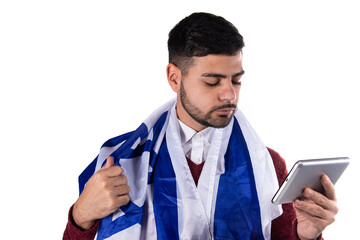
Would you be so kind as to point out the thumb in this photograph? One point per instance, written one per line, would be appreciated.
(109, 162)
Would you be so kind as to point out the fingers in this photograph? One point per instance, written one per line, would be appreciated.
(121, 190)
(118, 196)
(113, 180)
(110, 178)
(311, 209)
(321, 200)
(117, 181)
(123, 200)
(329, 187)
(113, 171)
(327, 201)
(109, 170)
(109, 162)
(321, 223)
(319, 216)
(317, 205)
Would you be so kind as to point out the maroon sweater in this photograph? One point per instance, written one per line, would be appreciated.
(283, 227)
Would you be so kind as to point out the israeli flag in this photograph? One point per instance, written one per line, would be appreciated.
(231, 201)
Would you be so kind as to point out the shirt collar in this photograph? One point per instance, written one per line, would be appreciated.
(187, 132)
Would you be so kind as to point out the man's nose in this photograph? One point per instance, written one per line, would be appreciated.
(227, 92)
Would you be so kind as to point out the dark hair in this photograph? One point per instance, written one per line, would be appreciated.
(201, 34)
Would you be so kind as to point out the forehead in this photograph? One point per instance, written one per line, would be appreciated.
(223, 64)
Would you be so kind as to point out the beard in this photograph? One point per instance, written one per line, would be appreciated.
(209, 119)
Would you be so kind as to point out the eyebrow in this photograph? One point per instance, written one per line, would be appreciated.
(217, 75)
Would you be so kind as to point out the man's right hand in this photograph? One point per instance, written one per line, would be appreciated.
(104, 193)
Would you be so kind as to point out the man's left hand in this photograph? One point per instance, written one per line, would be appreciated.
(316, 211)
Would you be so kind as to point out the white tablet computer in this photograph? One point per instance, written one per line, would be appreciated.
(307, 173)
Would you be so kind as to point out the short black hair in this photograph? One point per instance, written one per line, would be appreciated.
(201, 34)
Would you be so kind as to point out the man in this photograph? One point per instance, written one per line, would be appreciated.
(195, 169)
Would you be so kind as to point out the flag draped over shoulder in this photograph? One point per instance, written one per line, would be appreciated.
(232, 199)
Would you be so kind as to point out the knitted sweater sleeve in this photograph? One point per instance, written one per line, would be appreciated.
(73, 232)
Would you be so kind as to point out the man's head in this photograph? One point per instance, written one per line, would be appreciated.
(205, 67)
(199, 35)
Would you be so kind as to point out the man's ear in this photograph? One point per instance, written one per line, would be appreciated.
(174, 77)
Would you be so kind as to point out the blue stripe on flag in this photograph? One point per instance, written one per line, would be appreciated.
(153, 157)
(237, 211)
(86, 174)
(108, 227)
(112, 142)
(125, 151)
(165, 198)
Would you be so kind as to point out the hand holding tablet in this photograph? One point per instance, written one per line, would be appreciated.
(307, 173)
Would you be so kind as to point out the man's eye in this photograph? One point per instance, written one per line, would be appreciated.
(212, 84)
(236, 82)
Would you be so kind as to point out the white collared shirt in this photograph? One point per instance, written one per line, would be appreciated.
(195, 144)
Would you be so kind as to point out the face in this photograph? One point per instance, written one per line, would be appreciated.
(208, 93)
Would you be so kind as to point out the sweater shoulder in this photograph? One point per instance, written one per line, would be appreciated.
(279, 164)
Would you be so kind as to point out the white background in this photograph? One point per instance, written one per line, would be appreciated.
(75, 73)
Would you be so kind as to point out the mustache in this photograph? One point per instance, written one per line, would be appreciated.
(224, 106)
